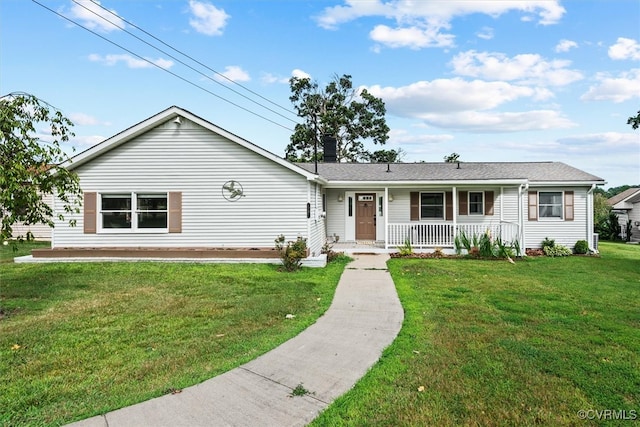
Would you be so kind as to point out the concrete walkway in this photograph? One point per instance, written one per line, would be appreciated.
(326, 359)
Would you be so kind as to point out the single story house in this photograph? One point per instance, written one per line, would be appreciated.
(627, 206)
(177, 184)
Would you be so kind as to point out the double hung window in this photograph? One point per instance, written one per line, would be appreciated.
(550, 204)
(476, 203)
(432, 205)
(133, 211)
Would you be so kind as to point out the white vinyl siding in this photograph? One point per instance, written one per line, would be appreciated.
(39, 231)
(196, 162)
(566, 233)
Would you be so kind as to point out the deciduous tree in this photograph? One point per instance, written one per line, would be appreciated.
(31, 166)
(352, 116)
(634, 121)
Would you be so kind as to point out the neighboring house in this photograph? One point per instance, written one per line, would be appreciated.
(176, 182)
(38, 231)
(627, 206)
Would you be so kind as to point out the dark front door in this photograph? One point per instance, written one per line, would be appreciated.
(365, 216)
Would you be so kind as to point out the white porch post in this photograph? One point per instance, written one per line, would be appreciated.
(386, 217)
(455, 213)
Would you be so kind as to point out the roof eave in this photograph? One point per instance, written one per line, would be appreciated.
(415, 183)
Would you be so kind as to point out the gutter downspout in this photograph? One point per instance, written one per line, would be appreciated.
(590, 219)
(455, 214)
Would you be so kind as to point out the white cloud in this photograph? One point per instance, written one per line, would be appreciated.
(444, 96)
(402, 136)
(82, 119)
(411, 37)
(565, 45)
(130, 61)
(486, 33)
(207, 19)
(496, 122)
(87, 140)
(525, 68)
(615, 89)
(269, 78)
(625, 49)
(94, 17)
(233, 73)
(469, 105)
(420, 24)
(300, 74)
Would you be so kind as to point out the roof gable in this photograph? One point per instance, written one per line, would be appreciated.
(172, 113)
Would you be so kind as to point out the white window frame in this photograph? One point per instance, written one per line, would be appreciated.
(134, 211)
(551, 218)
(444, 206)
(481, 213)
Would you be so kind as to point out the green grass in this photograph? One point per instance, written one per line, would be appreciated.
(496, 344)
(81, 339)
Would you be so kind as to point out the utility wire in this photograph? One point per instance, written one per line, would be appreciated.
(183, 54)
(182, 62)
(163, 69)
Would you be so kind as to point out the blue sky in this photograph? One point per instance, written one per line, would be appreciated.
(502, 80)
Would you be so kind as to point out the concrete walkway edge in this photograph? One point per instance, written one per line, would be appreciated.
(327, 359)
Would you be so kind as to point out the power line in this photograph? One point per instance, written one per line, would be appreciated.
(181, 53)
(187, 56)
(163, 69)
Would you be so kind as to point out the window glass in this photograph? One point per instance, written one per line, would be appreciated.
(116, 211)
(550, 204)
(476, 203)
(432, 205)
(152, 210)
(116, 202)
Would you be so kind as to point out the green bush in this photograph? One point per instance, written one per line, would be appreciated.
(292, 253)
(556, 250)
(548, 243)
(581, 247)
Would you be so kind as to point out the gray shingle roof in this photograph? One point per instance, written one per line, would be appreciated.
(625, 194)
(377, 172)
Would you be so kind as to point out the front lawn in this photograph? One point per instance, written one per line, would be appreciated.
(492, 343)
(81, 339)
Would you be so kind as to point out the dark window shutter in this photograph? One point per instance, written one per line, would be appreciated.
(533, 205)
(90, 200)
(448, 206)
(415, 206)
(462, 202)
(175, 212)
(488, 202)
(568, 205)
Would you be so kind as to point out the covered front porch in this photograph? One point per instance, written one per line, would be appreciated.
(428, 236)
(425, 217)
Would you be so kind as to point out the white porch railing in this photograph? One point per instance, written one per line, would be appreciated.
(425, 235)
